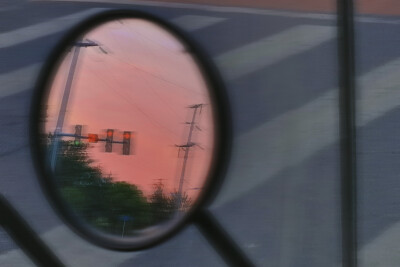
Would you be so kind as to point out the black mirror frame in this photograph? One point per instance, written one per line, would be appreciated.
(222, 139)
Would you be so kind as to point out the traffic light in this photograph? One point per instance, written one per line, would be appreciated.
(93, 138)
(78, 133)
(109, 140)
(126, 146)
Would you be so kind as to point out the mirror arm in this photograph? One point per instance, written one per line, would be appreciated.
(25, 237)
(220, 239)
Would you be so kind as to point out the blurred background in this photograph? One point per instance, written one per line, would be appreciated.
(281, 198)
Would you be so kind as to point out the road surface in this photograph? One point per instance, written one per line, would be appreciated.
(281, 198)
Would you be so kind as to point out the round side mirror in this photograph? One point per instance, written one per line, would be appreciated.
(130, 129)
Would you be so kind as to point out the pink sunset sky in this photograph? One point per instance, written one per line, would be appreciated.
(144, 84)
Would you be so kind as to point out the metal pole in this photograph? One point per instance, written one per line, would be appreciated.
(186, 155)
(123, 229)
(64, 102)
(347, 104)
(63, 108)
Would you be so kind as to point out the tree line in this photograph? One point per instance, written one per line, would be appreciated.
(112, 206)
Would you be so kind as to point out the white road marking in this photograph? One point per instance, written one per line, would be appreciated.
(240, 10)
(233, 64)
(297, 135)
(18, 80)
(192, 22)
(375, 20)
(35, 31)
(379, 92)
(384, 250)
(272, 49)
(15, 257)
(72, 250)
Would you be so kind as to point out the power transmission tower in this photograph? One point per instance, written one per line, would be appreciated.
(186, 148)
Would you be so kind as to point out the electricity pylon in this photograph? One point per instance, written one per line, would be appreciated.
(186, 148)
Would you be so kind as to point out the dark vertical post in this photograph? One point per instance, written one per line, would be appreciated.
(347, 131)
(187, 147)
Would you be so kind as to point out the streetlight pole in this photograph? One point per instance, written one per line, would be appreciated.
(64, 102)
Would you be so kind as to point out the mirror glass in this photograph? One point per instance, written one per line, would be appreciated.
(128, 128)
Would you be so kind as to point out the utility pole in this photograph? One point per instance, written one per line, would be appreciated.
(64, 102)
(186, 147)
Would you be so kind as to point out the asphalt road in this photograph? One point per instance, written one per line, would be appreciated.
(281, 198)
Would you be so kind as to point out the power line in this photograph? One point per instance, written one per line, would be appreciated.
(159, 77)
(155, 42)
(128, 99)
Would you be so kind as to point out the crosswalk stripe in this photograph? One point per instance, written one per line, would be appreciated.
(379, 92)
(17, 81)
(35, 31)
(242, 10)
(15, 257)
(72, 250)
(295, 136)
(382, 250)
(194, 22)
(233, 64)
(25, 34)
(272, 49)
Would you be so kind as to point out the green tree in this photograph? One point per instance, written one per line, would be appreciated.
(184, 201)
(159, 204)
(107, 204)
(101, 201)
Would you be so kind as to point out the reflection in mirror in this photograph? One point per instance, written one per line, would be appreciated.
(128, 127)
